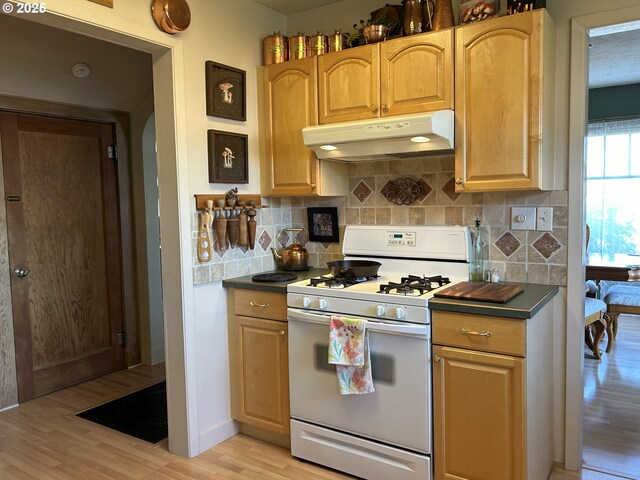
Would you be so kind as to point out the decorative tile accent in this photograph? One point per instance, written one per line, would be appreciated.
(449, 189)
(426, 189)
(508, 244)
(265, 240)
(302, 238)
(362, 191)
(547, 245)
(404, 191)
(326, 245)
(283, 238)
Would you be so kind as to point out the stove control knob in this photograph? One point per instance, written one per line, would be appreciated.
(400, 313)
(381, 310)
(322, 303)
(306, 302)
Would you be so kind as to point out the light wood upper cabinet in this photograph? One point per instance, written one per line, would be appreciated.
(505, 77)
(417, 73)
(396, 77)
(288, 103)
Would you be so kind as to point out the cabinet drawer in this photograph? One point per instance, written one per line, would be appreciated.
(479, 332)
(255, 303)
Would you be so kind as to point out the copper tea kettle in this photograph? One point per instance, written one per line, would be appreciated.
(292, 257)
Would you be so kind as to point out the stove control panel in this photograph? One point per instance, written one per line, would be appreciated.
(401, 239)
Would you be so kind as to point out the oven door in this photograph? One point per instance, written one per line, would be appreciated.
(397, 413)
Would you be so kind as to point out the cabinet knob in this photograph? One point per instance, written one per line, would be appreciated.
(374, 108)
(313, 186)
(281, 332)
(385, 108)
(436, 359)
(459, 181)
(261, 305)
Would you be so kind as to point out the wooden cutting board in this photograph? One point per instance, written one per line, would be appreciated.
(486, 292)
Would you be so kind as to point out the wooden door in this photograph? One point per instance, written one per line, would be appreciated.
(417, 73)
(499, 80)
(349, 85)
(261, 364)
(479, 419)
(290, 104)
(64, 250)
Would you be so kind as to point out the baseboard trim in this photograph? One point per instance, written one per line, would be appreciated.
(217, 434)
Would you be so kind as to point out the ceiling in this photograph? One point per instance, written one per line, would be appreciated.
(614, 57)
(288, 7)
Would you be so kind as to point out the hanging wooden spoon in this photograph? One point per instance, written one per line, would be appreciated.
(204, 235)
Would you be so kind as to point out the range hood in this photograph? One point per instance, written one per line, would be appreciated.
(389, 138)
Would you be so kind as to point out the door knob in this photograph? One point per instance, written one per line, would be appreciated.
(21, 272)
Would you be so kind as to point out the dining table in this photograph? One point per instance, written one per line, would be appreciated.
(619, 266)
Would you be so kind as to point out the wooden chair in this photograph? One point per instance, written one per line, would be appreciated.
(596, 321)
(595, 325)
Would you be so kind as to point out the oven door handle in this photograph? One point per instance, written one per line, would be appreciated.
(409, 329)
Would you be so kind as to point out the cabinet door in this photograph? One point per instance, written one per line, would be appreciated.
(290, 104)
(499, 87)
(349, 85)
(479, 419)
(260, 371)
(417, 73)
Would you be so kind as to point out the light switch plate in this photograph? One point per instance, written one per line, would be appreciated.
(523, 218)
(544, 219)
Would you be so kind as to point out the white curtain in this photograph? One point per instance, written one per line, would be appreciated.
(613, 186)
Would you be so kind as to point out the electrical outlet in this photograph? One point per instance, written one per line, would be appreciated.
(544, 219)
(523, 218)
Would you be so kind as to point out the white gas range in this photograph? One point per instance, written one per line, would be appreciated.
(385, 434)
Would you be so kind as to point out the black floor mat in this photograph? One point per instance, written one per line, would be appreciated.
(142, 414)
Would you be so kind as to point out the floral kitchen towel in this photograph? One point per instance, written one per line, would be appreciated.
(349, 351)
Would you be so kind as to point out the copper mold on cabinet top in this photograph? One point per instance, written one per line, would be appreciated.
(171, 16)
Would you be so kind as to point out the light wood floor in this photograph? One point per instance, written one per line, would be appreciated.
(43, 440)
(612, 404)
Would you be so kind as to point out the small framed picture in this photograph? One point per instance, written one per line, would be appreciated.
(323, 224)
(227, 157)
(226, 91)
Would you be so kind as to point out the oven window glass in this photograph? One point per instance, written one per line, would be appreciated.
(382, 366)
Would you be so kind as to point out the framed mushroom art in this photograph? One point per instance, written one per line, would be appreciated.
(228, 157)
(226, 91)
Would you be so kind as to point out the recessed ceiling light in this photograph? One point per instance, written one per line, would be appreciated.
(328, 147)
(81, 70)
(420, 139)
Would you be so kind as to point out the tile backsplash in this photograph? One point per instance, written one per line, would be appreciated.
(519, 256)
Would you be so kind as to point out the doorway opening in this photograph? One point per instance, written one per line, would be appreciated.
(171, 178)
(581, 27)
(612, 179)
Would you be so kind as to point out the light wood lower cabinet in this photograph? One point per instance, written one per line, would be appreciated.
(493, 412)
(259, 362)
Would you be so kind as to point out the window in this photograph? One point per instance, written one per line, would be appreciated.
(613, 186)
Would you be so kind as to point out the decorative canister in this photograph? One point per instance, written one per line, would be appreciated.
(413, 21)
(318, 44)
(336, 41)
(517, 6)
(442, 15)
(275, 48)
(298, 46)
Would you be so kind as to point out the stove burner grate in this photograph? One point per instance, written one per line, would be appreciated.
(338, 281)
(412, 283)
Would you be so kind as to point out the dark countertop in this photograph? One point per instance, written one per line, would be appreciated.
(524, 305)
(280, 287)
